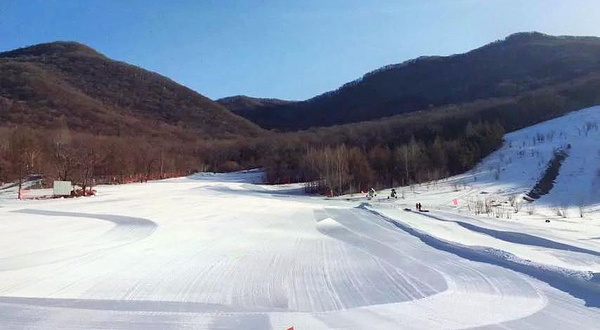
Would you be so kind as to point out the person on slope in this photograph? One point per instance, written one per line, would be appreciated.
(393, 194)
(372, 193)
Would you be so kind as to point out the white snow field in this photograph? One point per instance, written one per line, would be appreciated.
(219, 251)
(567, 241)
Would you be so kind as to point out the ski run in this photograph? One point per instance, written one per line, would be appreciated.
(222, 251)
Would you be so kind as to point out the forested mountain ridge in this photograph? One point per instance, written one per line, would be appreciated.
(240, 104)
(41, 83)
(68, 112)
(512, 67)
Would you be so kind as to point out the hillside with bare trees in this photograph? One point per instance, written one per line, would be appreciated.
(70, 113)
(508, 68)
(95, 94)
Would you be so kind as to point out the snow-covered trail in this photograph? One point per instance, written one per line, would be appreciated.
(217, 252)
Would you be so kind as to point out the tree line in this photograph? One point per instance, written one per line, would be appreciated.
(400, 150)
(345, 168)
(85, 159)
(405, 149)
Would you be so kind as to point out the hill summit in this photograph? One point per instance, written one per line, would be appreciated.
(58, 48)
(98, 95)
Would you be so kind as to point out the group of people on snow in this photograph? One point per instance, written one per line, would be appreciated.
(393, 194)
(372, 193)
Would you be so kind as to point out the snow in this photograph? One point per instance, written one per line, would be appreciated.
(221, 251)
(563, 241)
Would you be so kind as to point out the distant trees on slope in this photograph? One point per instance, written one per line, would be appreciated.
(345, 168)
(85, 159)
(399, 150)
(330, 168)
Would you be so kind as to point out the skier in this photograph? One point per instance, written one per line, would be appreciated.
(393, 194)
(372, 193)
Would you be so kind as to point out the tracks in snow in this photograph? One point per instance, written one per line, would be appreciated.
(216, 267)
(127, 230)
(515, 237)
(581, 285)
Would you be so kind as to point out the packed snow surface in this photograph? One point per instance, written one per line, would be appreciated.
(220, 251)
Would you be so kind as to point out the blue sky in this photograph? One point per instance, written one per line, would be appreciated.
(283, 49)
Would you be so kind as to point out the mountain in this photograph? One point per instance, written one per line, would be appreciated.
(42, 83)
(243, 104)
(508, 68)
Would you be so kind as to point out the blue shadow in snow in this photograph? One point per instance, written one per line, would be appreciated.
(519, 238)
(119, 220)
(587, 290)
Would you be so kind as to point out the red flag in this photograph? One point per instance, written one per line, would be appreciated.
(292, 328)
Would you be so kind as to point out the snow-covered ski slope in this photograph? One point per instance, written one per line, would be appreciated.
(516, 167)
(219, 251)
(566, 242)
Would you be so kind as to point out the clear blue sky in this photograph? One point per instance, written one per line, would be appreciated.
(284, 49)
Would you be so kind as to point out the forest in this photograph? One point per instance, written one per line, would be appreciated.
(69, 113)
(401, 150)
(334, 169)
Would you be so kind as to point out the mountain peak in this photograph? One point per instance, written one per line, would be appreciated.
(96, 93)
(527, 36)
(53, 48)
